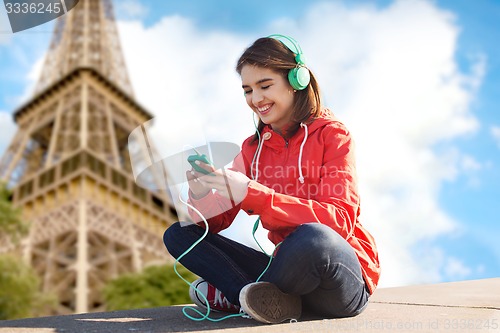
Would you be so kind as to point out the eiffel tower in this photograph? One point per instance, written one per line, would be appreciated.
(69, 166)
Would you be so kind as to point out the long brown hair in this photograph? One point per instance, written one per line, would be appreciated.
(270, 53)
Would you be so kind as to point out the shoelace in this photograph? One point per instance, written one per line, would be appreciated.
(220, 300)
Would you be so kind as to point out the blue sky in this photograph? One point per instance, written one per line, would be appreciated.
(428, 138)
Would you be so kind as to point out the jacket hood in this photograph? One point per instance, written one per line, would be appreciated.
(325, 117)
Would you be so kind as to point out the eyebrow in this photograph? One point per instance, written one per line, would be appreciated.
(258, 82)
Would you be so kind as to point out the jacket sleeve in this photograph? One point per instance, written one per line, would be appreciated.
(332, 201)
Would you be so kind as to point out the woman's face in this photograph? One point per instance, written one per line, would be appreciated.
(269, 95)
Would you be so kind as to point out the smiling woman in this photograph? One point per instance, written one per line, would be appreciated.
(311, 211)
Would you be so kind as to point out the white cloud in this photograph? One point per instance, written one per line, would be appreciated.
(130, 9)
(7, 130)
(470, 164)
(31, 80)
(495, 133)
(187, 79)
(23, 59)
(389, 73)
(455, 269)
(471, 169)
(451, 268)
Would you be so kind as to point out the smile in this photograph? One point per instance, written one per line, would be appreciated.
(264, 109)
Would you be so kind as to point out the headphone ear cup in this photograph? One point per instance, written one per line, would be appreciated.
(299, 77)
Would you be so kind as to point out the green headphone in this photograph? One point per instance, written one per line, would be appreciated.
(298, 76)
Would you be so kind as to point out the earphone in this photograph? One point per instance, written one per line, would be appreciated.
(299, 76)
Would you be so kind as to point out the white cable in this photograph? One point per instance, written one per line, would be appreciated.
(259, 150)
(301, 176)
(257, 154)
(193, 208)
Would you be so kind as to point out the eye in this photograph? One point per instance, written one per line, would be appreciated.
(246, 92)
(265, 87)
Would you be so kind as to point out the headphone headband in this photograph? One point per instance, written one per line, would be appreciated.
(289, 42)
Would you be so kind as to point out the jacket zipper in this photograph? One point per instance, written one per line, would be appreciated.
(285, 160)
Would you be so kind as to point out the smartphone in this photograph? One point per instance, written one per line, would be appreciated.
(199, 157)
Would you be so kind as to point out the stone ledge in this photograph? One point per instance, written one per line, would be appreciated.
(467, 306)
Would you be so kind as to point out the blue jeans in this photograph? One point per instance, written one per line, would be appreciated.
(314, 262)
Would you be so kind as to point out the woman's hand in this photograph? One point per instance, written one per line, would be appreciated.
(198, 189)
(228, 183)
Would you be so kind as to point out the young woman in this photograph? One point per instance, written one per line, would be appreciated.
(298, 174)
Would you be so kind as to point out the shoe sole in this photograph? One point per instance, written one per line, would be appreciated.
(264, 302)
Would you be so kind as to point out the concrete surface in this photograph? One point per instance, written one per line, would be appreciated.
(468, 306)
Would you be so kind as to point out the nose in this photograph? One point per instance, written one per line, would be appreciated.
(257, 97)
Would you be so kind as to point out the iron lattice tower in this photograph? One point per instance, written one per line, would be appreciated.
(69, 168)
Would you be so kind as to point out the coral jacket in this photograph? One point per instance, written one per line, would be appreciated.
(309, 178)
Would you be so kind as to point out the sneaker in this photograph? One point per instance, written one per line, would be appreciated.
(217, 301)
(263, 301)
